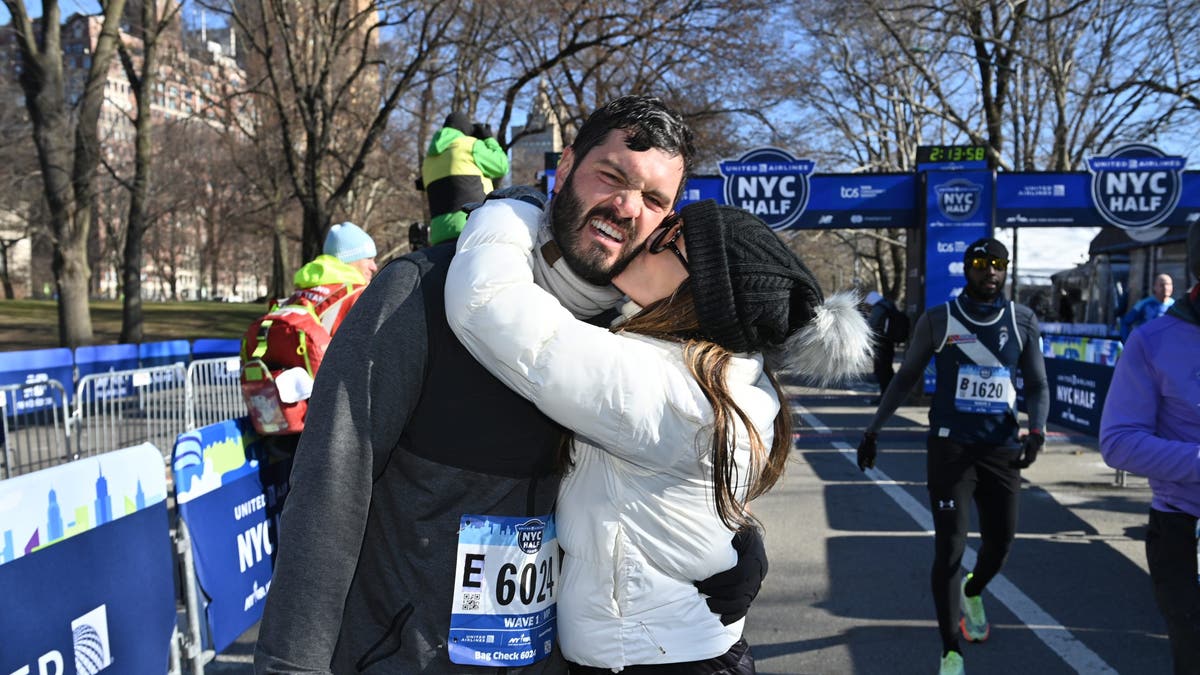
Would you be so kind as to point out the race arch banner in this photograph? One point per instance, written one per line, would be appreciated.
(85, 567)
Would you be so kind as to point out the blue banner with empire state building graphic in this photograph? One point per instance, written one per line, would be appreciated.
(85, 564)
(230, 493)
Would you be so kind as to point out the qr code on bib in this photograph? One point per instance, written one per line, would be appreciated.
(471, 601)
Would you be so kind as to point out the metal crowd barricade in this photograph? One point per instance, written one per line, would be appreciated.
(123, 408)
(214, 391)
(33, 427)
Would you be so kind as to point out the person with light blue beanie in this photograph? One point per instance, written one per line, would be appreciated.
(350, 244)
(333, 281)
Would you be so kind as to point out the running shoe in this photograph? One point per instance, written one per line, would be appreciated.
(952, 664)
(974, 623)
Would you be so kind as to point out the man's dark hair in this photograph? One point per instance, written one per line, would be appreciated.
(650, 124)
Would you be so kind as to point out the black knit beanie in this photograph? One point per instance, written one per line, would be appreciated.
(457, 120)
(751, 291)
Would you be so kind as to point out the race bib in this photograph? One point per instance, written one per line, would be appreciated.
(505, 578)
(983, 389)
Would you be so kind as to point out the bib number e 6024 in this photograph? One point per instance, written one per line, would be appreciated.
(504, 592)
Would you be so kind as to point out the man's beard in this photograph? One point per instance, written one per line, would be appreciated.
(978, 292)
(590, 260)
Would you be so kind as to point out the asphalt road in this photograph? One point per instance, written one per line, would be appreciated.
(848, 588)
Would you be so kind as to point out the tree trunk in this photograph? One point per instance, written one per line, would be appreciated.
(281, 286)
(71, 278)
(132, 322)
(68, 181)
(132, 319)
(4, 275)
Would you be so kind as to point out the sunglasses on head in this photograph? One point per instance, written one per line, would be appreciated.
(659, 241)
(983, 263)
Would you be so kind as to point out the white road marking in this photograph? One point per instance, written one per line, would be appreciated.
(810, 419)
(1060, 640)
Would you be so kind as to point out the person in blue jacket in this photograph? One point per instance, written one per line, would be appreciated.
(1151, 426)
(1150, 307)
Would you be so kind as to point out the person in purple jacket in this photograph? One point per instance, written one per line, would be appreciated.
(1151, 427)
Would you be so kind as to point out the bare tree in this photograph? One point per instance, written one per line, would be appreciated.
(587, 53)
(151, 26)
(319, 79)
(68, 170)
(20, 193)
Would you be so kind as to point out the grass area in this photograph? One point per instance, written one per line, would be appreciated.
(33, 324)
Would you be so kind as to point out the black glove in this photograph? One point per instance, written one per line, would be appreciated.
(1031, 445)
(481, 131)
(731, 592)
(867, 452)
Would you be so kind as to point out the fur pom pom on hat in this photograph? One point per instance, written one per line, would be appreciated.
(347, 242)
(752, 293)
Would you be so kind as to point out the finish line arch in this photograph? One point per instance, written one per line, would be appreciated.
(953, 198)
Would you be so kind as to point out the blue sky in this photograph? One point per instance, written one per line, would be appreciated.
(65, 7)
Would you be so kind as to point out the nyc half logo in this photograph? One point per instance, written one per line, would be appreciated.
(529, 535)
(958, 199)
(1137, 186)
(769, 183)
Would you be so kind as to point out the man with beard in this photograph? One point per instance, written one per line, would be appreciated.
(410, 443)
(978, 341)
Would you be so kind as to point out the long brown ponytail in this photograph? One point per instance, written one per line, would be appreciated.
(674, 319)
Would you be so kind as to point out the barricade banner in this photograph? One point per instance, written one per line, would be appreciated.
(164, 353)
(1077, 393)
(37, 367)
(99, 359)
(85, 564)
(229, 494)
(211, 348)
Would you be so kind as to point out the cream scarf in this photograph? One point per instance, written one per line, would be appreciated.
(552, 273)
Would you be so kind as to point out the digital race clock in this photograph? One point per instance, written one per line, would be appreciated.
(963, 156)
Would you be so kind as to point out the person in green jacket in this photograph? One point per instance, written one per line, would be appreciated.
(459, 168)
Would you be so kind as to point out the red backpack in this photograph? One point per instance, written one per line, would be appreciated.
(289, 336)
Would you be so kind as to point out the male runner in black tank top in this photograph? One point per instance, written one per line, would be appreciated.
(979, 339)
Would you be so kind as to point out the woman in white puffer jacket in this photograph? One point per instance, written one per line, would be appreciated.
(677, 423)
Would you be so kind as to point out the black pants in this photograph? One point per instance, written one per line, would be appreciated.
(1171, 553)
(958, 474)
(885, 354)
(736, 661)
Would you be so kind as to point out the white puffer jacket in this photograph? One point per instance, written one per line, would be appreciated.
(636, 518)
